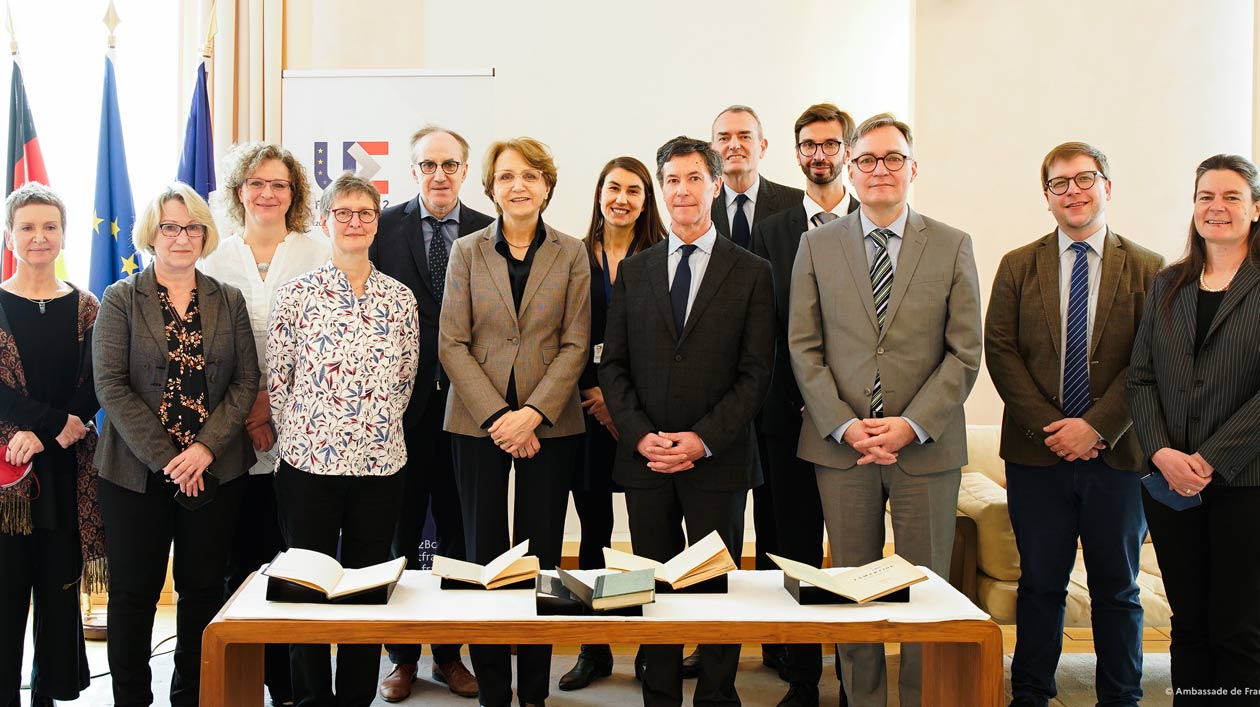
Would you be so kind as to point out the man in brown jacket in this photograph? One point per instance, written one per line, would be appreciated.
(1061, 322)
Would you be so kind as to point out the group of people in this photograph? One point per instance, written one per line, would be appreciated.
(279, 388)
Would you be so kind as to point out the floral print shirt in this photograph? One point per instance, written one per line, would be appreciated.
(341, 372)
(183, 410)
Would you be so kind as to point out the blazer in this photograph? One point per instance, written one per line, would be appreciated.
(398, 251)
(771, 199)
(1024, 347)
(777, 239)
(129, 360)
(482, 340)
(928, 353)
(1208, 403)
(710, 379)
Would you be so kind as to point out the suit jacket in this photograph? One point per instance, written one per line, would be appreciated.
(771, 199)
(482, 339)
(129, 360)
(777, 239)
(398, 251)
(711, 379)
(1024, 347)
(928, 353)
(1209, 403)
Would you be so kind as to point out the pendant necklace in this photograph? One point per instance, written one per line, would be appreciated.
(43, 303)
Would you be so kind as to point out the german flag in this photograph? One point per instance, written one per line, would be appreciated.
(26, 162)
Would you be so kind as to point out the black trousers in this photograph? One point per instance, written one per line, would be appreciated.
(316, 511)
(595, 511)
(657, 516)
(42, 568)
(541, 500)
(1210, 560)
(428, 484)
(255, 541)
(139, 531)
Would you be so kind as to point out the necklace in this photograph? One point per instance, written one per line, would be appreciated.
(43, 303)
(263, 268)
(1203, 285)
(518, 246)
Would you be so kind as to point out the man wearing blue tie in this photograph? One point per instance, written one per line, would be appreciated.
(1058, 335)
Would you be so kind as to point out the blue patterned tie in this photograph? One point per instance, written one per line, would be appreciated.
(438, 256)
(1076, 399)
(881, 287)
(680, 290)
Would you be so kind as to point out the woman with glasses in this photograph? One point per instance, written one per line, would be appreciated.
(624, 221)
(50, 523)
(514, 351)
(341, 358)
(266, 196)
(176, 373)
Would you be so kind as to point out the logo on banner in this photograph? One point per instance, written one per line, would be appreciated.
(358, 156)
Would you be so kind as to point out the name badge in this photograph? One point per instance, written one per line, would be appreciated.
(599, 352)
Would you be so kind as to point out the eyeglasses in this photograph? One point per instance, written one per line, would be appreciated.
(1059, 185)
(529, 176)
(894, 161)
(430, 167)
(172, 230)
(344, 215)
(278, 186)
(830, 148)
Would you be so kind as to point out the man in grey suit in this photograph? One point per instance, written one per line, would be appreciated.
(885, 339)
(686, 364)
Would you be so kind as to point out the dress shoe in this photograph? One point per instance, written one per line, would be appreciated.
(592, 663)
(800, 695)
(640, 665)
(772, 656)
(454, 675)
(396, 686)
(691, 665)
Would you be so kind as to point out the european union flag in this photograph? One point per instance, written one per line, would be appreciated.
(196, 161)
(113, 254)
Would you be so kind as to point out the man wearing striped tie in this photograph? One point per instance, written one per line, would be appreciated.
(884, 335)
(1061, 322)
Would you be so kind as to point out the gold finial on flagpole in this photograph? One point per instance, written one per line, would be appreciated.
(208, 50)
(8, 23)
(111, 21)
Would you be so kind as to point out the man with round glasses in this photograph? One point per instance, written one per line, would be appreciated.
(1058, 337)
(412, 245)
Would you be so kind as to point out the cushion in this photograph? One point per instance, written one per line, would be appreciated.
(983, 443)
(982, 500)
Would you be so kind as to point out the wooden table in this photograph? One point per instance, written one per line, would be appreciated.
(962, 660)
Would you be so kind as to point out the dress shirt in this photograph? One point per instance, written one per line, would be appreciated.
(812, 209)
(898, 228)
(1067, 257)
(749, 206)
(448, 233)
(698, 261)
(518, 275)
(342, 370)
(233, 263)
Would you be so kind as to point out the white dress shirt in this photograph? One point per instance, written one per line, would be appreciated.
(698, 261)
(750, 206)
(1067, 257)
(812, 208)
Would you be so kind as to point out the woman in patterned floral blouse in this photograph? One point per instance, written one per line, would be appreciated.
(176, 373)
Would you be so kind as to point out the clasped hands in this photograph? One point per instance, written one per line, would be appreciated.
(1072, 438)
(671, 452)
(1187, 474)
(187, 468)
(513, 432)
(878, 439)
(24, 445)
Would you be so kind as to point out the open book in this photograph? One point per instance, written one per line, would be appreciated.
(860, 584)
(613, 591)
(706, 559)
(510, 567)
(318, 571)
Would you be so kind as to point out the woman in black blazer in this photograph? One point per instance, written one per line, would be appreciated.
(1194, 391)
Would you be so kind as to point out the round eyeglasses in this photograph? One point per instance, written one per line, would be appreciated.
(1059, 185)
(893, 161)
(807, 148)
(430, 167)
(344, 215)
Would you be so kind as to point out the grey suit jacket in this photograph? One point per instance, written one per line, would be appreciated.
(772, 198)
(482, 339)
(711, 378)
(1208, 403)
(928, 354)
(129, 360)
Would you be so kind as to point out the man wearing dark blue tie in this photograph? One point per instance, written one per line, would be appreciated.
(686, 365)
(1058, 335)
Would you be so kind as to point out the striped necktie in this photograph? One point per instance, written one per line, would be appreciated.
(1076, 398)
(822, 218)
(881, 287)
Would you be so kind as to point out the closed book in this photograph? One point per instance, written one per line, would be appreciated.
(553, 598)
(624, 589)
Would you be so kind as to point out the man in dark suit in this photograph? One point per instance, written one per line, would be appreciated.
(822, 137)
(407, 249)
(1062, 319)
(686, 364)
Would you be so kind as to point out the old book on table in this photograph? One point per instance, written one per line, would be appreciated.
(306, 576)
(553, 598)
(513, 567)
(888, 579)
(613, 591)
(704, 561)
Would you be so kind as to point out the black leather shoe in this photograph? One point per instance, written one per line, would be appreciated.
(691, 665)
(772, 656)
(800, 695)
(590, 665)
(640, 665)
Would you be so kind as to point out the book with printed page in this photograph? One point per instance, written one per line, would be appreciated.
(306, 576)
(705, 560)
(882, 579)
(613, 591)
(510, 568)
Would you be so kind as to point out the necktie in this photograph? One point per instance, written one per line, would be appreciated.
(438, 255)
(822, 218)
(740, 232)
(680, 290)
(1076, 398)
(881, 287)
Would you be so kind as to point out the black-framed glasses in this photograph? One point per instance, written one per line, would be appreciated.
(172, 230)
(1059, 185)
(278, 186)
(344, 215)
(430, 167)
(807, 148)
(894, 161)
